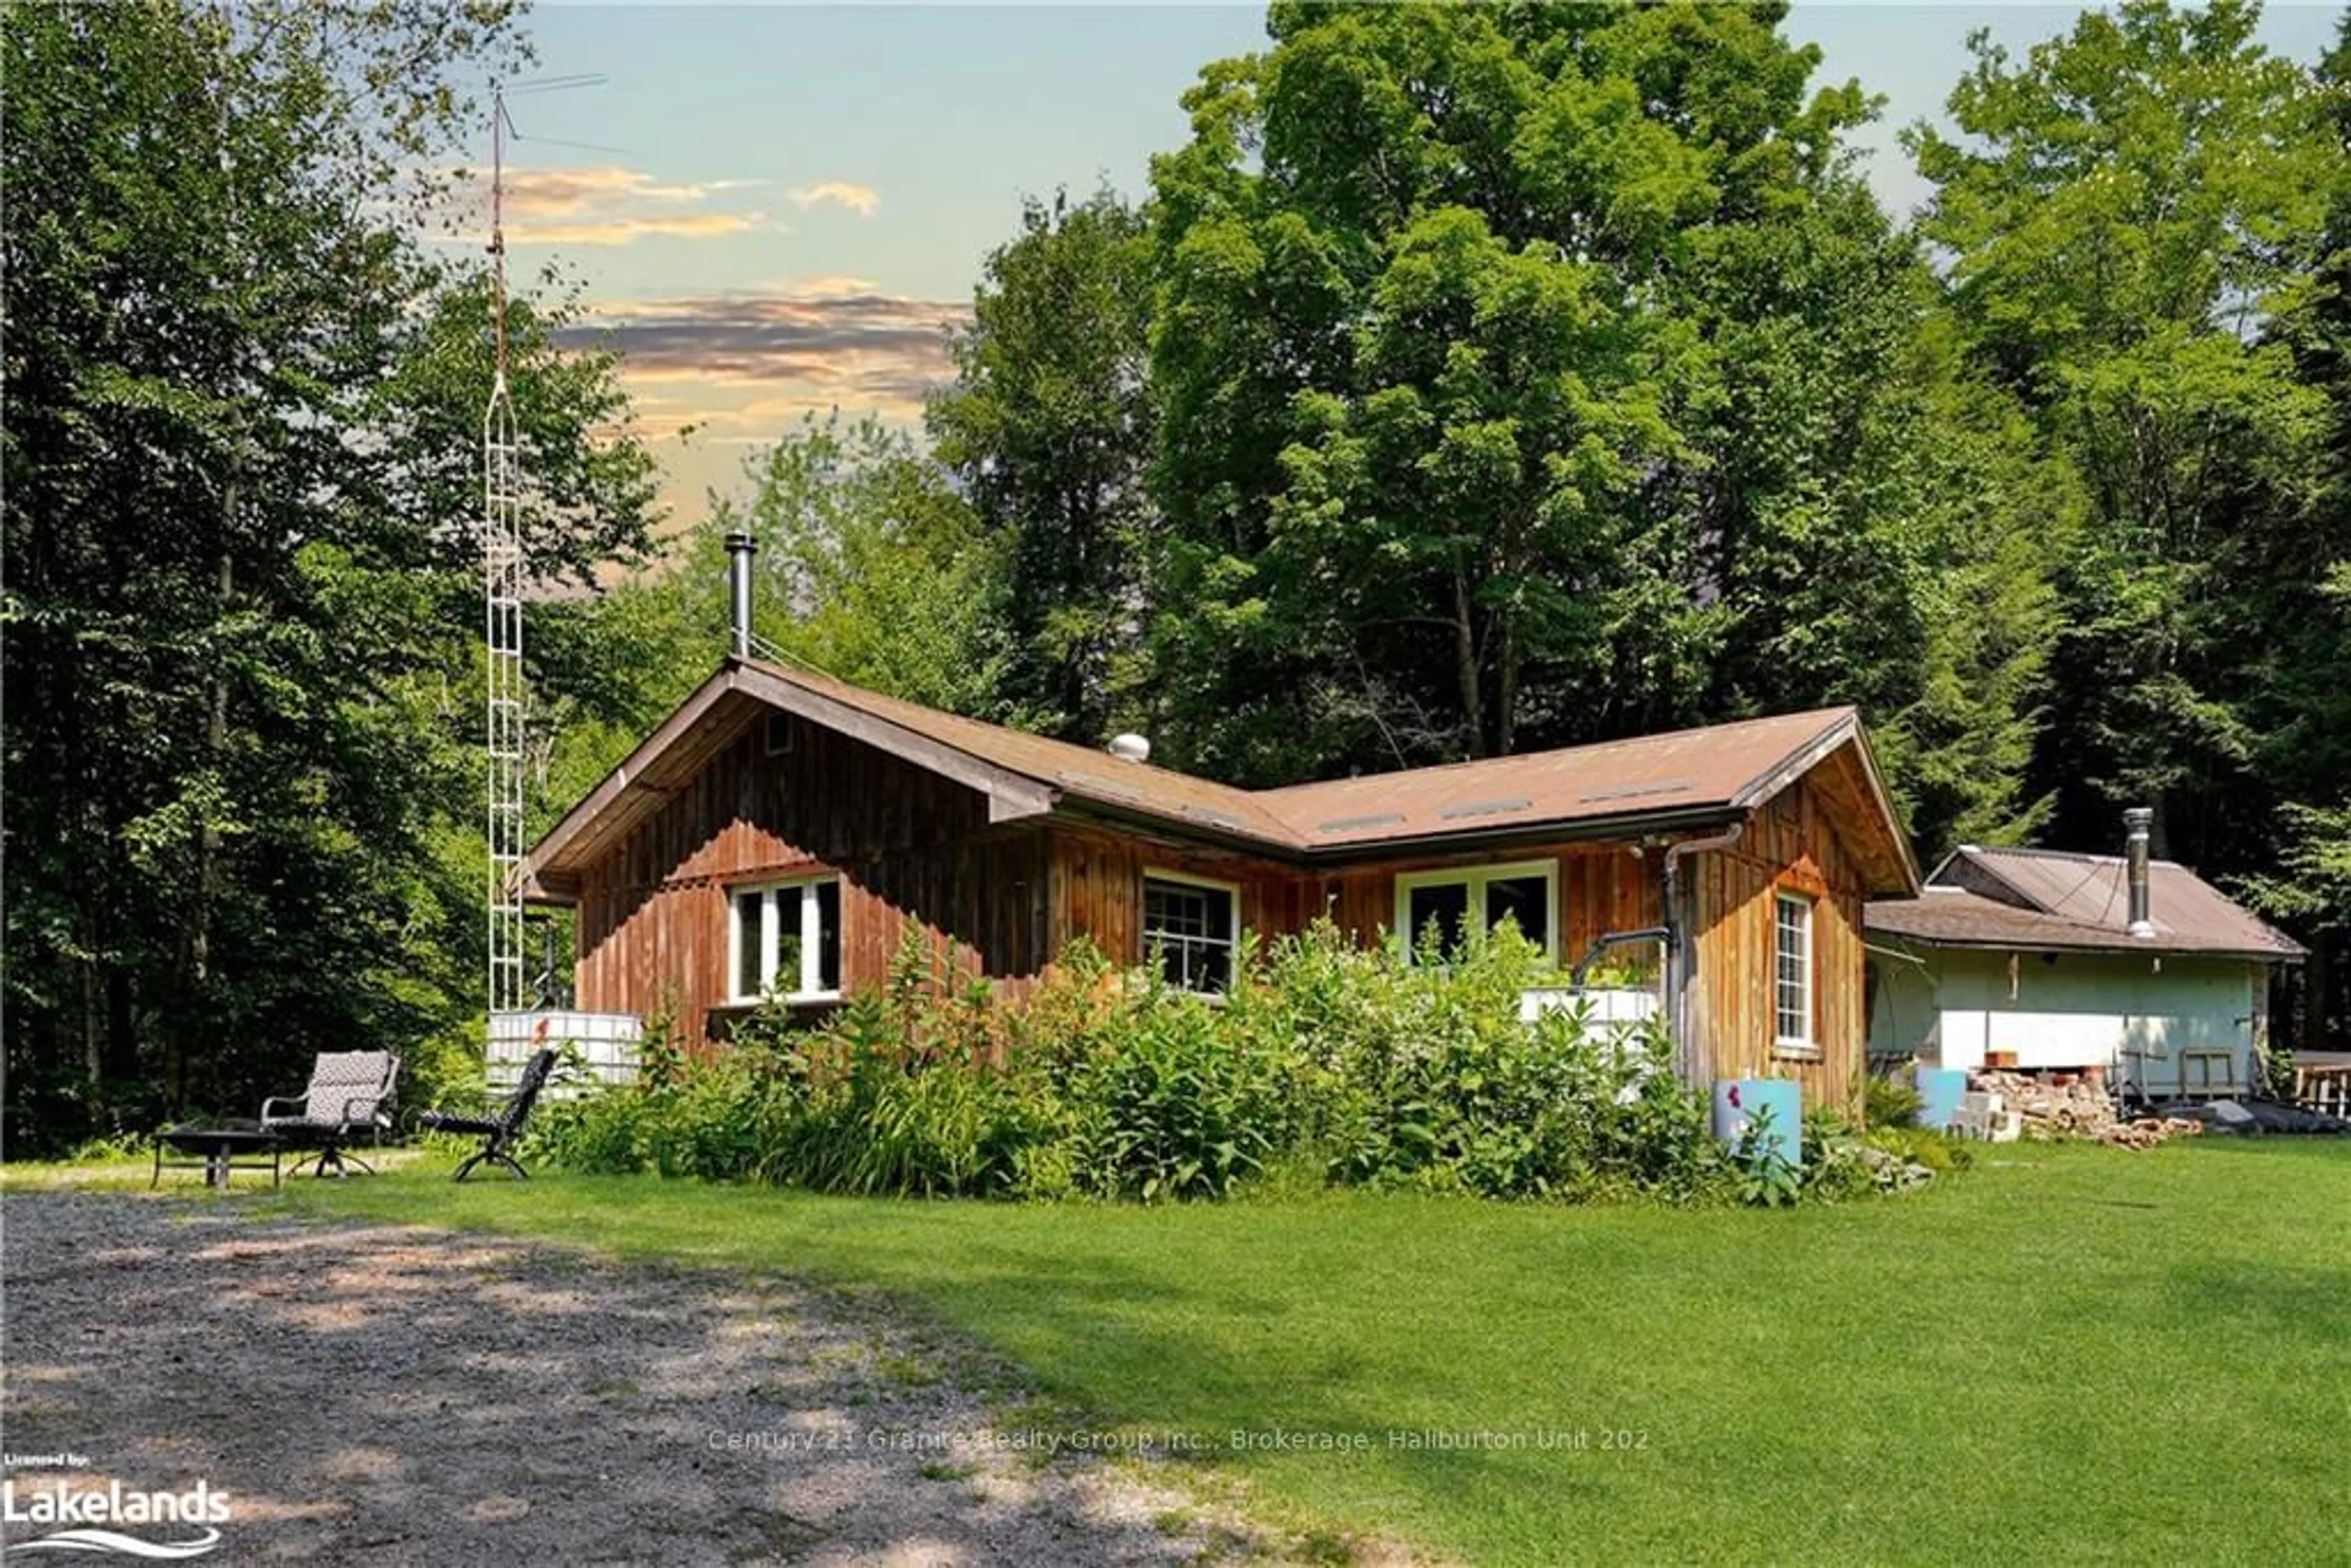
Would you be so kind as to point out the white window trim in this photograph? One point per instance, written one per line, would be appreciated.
(1231, 890)
(1803, 1045)
(770, 941)
(1476, 877)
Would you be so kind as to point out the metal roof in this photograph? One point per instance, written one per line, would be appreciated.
(1723, 767)
(2049, 900)
(1687, 778)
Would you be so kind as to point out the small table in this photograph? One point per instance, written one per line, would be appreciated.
(217, 1145)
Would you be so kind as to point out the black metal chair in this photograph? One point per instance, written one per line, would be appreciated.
(349, 1093)
(498, 1133)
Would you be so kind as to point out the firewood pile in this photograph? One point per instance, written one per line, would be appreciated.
(2079, 1108)
(2146, 1132)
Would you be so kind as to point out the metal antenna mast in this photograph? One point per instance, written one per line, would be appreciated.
(502, 583)
(502, 615)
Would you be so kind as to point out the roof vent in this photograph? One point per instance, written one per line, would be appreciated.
(1130, 747)
(1633, 791)
(1348, 824)
(1485, 808)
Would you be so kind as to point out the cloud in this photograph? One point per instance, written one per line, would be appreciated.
(608, 205)
(859, 199)
(823, 330)
(540, 193)
(829, 285)
(629, 230)
(743, 367)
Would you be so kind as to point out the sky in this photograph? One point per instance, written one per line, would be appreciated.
(774, 210)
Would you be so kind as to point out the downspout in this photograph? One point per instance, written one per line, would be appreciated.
(1608, 939)
(1681, 946)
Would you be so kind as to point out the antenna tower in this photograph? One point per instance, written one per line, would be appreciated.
(502, 615)
(502, 580)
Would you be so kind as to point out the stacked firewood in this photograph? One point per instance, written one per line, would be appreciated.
(2146, 1132)
(2076, 1107)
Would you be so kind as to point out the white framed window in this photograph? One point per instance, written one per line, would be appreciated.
(783, 938)
(1192, 923)
(1526, 891)
(1791, 945)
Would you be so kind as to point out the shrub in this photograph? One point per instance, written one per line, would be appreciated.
(1891, 1099)
(1766, 1177)
(604, 1133)
(1353, 1066)
(443, 1071)
(1179, 1108)
(1938, 1151)
(1422, 1074)
(906, 1110)
(113, 1149)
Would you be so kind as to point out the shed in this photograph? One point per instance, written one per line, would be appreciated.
(2042, 960)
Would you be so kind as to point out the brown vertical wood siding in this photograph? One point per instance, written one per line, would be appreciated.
(1098, 887)
(1789, 843)
(906, 844)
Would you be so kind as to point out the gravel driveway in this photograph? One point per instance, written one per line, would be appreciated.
(376, 1394)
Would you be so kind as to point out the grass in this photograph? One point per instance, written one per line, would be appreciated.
(2073, 1353)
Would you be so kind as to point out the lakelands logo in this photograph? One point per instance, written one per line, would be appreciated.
(90, 1512)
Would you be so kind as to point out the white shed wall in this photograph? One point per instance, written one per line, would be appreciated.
(2131, 1015)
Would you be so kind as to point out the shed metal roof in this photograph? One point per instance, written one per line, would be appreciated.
(2049, 900)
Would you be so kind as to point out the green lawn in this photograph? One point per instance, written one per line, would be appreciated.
(2071, 1353)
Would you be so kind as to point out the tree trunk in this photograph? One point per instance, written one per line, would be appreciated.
(208, 872)
(1465, 657)
(93, 1019)
(1506, 690)
(121, 1028)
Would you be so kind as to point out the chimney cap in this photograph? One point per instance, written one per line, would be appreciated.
(740, 540)
(2138, 818)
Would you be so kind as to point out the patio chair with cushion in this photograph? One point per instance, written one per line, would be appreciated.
(350, 1094)
(499, 1132)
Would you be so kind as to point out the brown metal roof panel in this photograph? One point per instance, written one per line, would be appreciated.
(1675, 779)
(2094, 891)
(1953, 916)
(1684, 769)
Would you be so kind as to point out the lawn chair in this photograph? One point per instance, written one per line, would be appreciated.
(349, 1093)
(498, 1133)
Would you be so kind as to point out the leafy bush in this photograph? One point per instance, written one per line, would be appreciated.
(1892, 1099)
(1422, 1074)
(897, 1104)
(1938, 1151)
(1326, 1062)
(1181, 1109)
(113, 1149)
(1766, 1178)
(443, 1071)
(1837, 1165)
(609, 1133)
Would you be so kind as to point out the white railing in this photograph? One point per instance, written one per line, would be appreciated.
(607, 1040)
(2323, 1085)
(1610, 1008)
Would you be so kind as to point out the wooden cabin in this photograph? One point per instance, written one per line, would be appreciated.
(775, 835)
